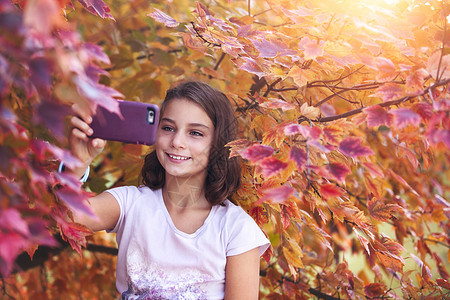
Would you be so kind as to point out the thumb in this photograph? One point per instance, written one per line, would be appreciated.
(98, 144)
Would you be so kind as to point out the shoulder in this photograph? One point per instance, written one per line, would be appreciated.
(240, 230)
(126, 195)
(130, 190)
(229, 210)
(233, 217)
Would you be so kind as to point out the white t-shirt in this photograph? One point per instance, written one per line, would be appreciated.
(158, 261)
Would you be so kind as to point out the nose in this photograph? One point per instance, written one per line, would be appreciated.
(178, 140)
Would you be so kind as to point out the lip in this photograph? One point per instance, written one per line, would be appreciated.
(177, 158)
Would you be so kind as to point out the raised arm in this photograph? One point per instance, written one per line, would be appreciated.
(242, 276)
(104, 206)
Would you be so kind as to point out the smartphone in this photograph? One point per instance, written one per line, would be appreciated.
(138, 124)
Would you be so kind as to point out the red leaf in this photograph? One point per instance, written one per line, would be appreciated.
(424, 110)
(256, 152)
(352, 146)
(380, 211)
(237, 146)
(285, 217)
(278, 194)
(272, 166)
(329, 190)
(443, 283)
(161, 17)
(75, 234)
(376, 116)
(375, 290)
(259, 215)
(389, 91)
(299, 157)
(338, 170)
(404, 117)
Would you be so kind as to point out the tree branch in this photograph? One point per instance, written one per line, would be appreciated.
(202, 38)
(384, 104)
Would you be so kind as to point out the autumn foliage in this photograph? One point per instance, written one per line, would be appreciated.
(344, 118)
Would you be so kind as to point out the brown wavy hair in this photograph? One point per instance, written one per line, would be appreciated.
(224, 174)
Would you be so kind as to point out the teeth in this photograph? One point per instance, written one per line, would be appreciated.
(178, 157)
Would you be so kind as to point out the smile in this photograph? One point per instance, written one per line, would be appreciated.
(178, 157)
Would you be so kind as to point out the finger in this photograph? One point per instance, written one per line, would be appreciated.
(78, 123)
(80, 134)
(82, 113)
(98, 144)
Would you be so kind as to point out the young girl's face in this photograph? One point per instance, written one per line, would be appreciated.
(185, 135)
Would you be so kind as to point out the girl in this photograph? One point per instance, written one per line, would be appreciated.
(178, 235)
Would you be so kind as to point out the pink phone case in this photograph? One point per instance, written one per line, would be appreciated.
(138, 125)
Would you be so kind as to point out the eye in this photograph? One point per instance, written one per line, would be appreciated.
(167, 128)
(196, 133)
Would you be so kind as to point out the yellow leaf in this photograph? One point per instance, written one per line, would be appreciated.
(309, 112)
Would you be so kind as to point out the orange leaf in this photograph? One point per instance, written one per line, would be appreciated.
(374, 290)
(380, 211)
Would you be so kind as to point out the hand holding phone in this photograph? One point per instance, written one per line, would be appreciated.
(137, 125)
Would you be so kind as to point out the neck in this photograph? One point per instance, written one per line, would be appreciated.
(184, 192)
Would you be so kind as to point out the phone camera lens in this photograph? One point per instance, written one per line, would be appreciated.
(151, 116)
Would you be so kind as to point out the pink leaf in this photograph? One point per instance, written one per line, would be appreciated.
(256, 152)
(404, 117)
(277, 103)
(97, 7)
(161, 17)
(322, 148)
(272, 166)
(270, 48)
(96, 52)
(292, 129)
(389, 91)
(11, 244)
(75, 200)
(278, 194)
(440, 135)
(311, 49)
(250, 65)
(376, 116)
(10, 220)
(298, 156)
(338, 170)
(352, 146)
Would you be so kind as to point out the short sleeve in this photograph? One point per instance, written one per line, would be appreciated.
(122, 195)
(245, 235)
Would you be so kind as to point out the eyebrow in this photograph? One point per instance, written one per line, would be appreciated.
(190, 124)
